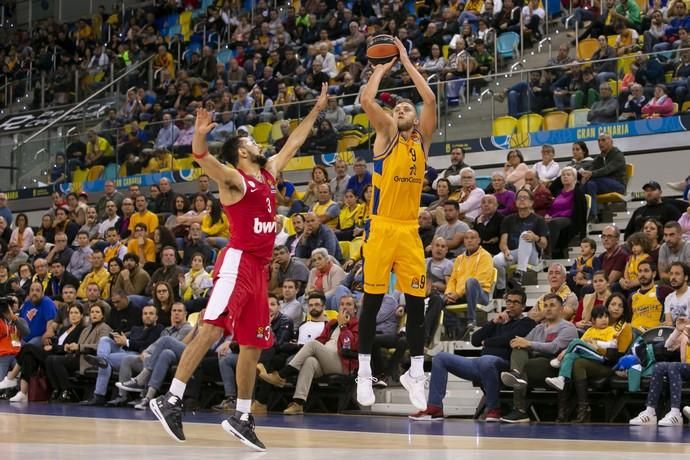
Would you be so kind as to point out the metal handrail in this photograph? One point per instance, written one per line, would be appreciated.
(83, 103)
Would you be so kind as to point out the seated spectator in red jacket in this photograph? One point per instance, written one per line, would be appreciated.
(660, 105)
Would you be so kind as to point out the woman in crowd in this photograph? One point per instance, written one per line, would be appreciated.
(12, 329)
(515, 169)
(215, 225)
(163, 298)
(599, 297)
(23, 234)
(660, 105)
(567, 214)
(581, 158)
(654, 232)
(25, 274)
(319, 175)
(33, 357)
(504, 197)
(195, 284)
(325, 275)
(585, 370)
(350, 216)
(59, 367)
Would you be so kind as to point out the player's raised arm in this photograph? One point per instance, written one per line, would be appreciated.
(383, 123)
(278, 162)
(210, 164)
(427, 119)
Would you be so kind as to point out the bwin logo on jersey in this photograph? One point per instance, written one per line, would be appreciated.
(264, 227)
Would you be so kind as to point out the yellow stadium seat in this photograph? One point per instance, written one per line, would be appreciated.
(586, 48)
(445, 50)
(193, 318)
(668, 77)
(613, 197)
(345, 249)
(80, 175)
(685, 107)
(675, 108)
(293, 124)
(331, 314)
(298, 195)
(261, 133)
(577, 118)
(288, 226)
(276, 133)
(529, 123)
(615, 87)
(95, 172)
(361, 119)
(348, 119)
(504, 126)
(122, 171)
(624, 63)
(250, 129)
(555, 120)
(611, 39)
(183, 163)
(347, 142)
(356, 248)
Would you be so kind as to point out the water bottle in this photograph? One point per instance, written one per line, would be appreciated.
(346, 343)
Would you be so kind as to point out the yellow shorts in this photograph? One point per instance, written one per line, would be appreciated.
(392, 245)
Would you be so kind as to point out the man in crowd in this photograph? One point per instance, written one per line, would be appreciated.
(674, 248)
(654, 208)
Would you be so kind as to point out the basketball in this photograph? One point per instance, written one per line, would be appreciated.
(381, 49)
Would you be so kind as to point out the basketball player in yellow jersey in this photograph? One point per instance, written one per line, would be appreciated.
(392, 243)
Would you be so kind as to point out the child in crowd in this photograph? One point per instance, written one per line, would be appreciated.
(593, 345)
(639, 248)
(583, 267)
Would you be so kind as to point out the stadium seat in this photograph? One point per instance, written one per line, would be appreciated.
(507, 45)
(504, 126)
(331, 314)
(586, 48)
(80, 175)
(183, 163)
(345, 249)
(675, 108)
(611, 39)
(276, 133)
(555, 120)
(445, 49)
(95, 173)
(347, 142)
(262, 131)
(288, 226)
(685, 107)
(624, 63)
(293, 124)
(578, 118)
(613, 197)
(362, 120)
(615, 87)
(529, 123)
(193, 318)
(356, 248)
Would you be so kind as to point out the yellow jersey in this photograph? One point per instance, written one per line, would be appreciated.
(398, 178)
(647, 309)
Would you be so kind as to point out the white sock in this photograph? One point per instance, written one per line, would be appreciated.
(417, 367)
(243, 405)
(650, 411)
(177, 388)
(675, 411)
(364, 366)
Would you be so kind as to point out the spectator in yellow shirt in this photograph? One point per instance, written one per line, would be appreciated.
(164, 60)
(98, 150)
(351, 214)
(141, 245)
(143, 216)
(215, 225)
(98, 275)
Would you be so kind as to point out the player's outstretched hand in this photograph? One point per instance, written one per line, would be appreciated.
(322, 101)
(402, 51)
(204, 123)
(385, 67)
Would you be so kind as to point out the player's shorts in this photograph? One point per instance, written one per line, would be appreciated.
(394, 245)
(239, 301)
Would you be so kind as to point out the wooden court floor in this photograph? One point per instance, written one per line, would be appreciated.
(72, 432)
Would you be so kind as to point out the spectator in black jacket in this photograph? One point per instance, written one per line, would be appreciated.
(654, 208)
(59, 279)
(325, 140)
(495, 339)
(124, 314)
(112, 349)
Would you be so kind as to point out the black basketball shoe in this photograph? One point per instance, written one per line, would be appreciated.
(168, 409)
(244, 431)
